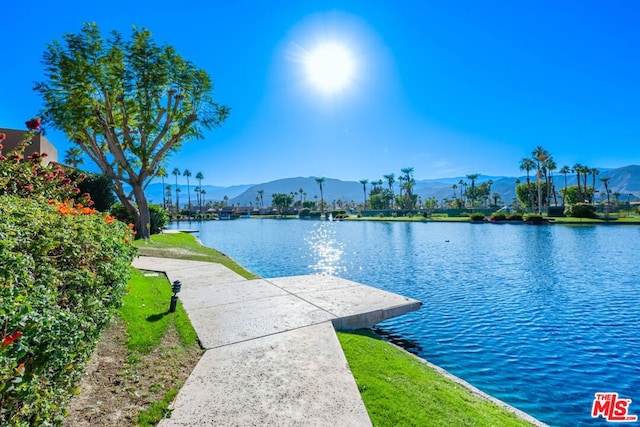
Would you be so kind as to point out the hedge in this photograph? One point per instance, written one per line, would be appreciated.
(63, 273)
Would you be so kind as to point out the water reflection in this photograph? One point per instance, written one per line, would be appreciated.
(326, 251)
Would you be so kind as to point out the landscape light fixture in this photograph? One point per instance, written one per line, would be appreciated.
(175, 288)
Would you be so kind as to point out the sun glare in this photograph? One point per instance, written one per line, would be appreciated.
(330, 67)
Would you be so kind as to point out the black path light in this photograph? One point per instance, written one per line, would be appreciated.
(175, 288)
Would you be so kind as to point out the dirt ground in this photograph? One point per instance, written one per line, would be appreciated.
(116, 386)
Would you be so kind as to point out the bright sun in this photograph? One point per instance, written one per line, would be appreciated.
(330, 67)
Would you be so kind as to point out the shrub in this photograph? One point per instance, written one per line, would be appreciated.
(63, 274)
(99, 187)
(304, 213)
(28, 178)
(159, 217)
(534, 218)
(515, 217)
(498, 216)
(476, 216)
(581, 210)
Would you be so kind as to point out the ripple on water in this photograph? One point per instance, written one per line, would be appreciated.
(540, 317)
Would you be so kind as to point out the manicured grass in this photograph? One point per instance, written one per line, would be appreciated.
(145, 312)
(416, 218)
(186, 246)
(397, 389)
(601, 220)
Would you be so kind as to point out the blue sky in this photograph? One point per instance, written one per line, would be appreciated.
(446, 87)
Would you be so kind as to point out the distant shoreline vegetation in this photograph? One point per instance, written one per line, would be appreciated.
(538, 198)
(613, 187)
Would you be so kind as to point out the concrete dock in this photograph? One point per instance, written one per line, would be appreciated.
(272, 357)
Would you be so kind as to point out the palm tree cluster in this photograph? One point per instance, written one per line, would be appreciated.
(167, 190)
(540, 193)
(542, 162)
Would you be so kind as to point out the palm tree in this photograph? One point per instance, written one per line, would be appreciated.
(176, 173)
(540, 155)
(261, 194)
(564, 171)
(167, 194)
(455, 187)
(200, 177)
(527, 165)
(162, 173)
(462, 193)
(549, 166)
(577, 169)
(595, 172)
(197, 191)
(586, 170)
(473, 177)
(187, 173)
(202, 193)
(391, 179)
(364, 189)
(605, 181)
(73, 157)
(320, 181)
(409, 182)
(301, 191)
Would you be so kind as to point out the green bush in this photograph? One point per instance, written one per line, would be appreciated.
(499, 216)
(28, 178)
(476, 216)
(515, 217)
(159, 217)
(534, 219)
(581, 210)
(63, 274)
(99, 187)
(304, 213)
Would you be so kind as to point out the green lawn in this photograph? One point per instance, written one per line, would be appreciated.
(399, 390)
(186, 246)
(416, 218)
(147, 321)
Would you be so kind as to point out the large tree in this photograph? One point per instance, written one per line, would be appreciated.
(127, 104)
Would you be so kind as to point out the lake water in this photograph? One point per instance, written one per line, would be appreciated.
(539, 317)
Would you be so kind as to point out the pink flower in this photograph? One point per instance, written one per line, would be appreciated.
(34, 124)
(3, 136)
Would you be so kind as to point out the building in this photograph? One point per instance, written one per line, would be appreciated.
(39, 144)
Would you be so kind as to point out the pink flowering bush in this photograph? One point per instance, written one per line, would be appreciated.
(63, 273)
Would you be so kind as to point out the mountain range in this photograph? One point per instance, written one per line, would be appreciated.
(624, 180)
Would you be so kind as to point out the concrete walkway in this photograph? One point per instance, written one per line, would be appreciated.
(272, 356)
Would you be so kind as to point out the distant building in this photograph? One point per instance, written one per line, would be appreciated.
(39, 144)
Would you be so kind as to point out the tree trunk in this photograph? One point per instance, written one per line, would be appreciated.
(140, 213)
